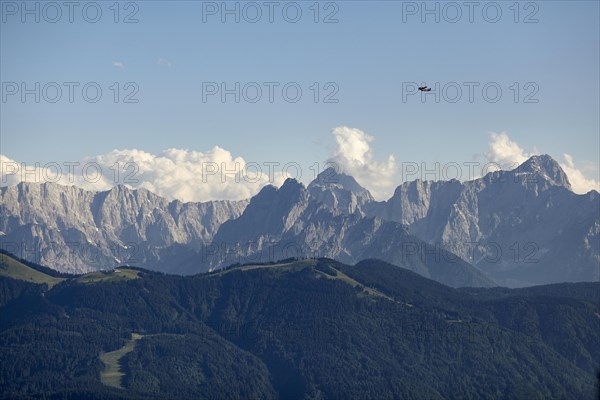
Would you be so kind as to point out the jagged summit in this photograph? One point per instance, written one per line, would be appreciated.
(290, 191)
(339, 191)
(546, 167)
(333, 216)
(292, 184)
(331, 178)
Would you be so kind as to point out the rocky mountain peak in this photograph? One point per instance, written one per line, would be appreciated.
(291, 186)
(546, 167)
(340, 192)
(330, 178)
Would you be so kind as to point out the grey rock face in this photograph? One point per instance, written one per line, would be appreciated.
(522, 227)
(290, 222)
(74, 230)
(339, 192)
(514, 228)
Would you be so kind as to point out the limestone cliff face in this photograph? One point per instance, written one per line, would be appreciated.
(523, 226)
(519, 227)
(75, 230)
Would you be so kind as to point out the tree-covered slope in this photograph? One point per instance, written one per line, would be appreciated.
(313, 329)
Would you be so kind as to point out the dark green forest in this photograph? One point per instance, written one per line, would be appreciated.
(297, 329)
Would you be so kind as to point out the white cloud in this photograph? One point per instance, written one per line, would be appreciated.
(354, 157)
(508, 155)
(190, 175)
(504, 152)
(579, 182)
(13, 172)
(164, 62)
(175, 173)
(118, 64)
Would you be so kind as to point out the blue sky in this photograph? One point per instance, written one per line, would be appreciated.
(368, 55)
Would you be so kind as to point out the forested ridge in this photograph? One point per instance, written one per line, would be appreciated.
(297, 329)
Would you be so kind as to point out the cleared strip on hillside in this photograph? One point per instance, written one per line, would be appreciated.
(340, 276)
(284, 266)
(116, 275)
(297, 265)
(112, 374)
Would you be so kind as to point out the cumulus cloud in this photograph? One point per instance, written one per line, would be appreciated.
(354, 157)
(508, 155)
(164, 62)
(504, 152)
(216, 174)
(579, 182)
(175, 173)
(118, 64)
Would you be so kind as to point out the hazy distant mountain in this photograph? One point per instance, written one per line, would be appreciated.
(523, 226)
(290, 222)
(520, 227)
(79, 231)
(339, 192)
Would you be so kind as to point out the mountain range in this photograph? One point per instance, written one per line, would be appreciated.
(511, 228)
